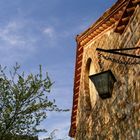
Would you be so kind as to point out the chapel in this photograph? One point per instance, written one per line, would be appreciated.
(106, 92)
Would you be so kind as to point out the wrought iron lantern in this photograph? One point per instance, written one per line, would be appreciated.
(104, 83)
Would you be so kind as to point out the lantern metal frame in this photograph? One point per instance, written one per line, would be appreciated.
(117, 51)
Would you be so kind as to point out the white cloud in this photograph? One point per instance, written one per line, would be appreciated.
(51, 35)
(15, 42)
(49, 31)
(9, 35)
(13, 34)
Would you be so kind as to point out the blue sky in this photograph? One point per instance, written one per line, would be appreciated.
(34, 32)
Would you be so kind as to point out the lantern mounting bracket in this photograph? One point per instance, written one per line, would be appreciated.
(118, 51)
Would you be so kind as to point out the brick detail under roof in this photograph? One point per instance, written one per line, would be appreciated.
(128, 12)
(79, 56)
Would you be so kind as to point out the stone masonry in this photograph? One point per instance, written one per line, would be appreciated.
(118, 117)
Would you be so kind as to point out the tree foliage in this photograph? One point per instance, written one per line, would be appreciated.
(23, 102)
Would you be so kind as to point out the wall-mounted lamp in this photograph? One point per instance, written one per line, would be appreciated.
(104, 83)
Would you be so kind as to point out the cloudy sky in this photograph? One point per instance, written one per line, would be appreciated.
(34, 32)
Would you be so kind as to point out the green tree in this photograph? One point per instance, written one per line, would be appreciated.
(23, 102)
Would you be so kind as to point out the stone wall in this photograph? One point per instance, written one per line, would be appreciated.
(118, 117)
